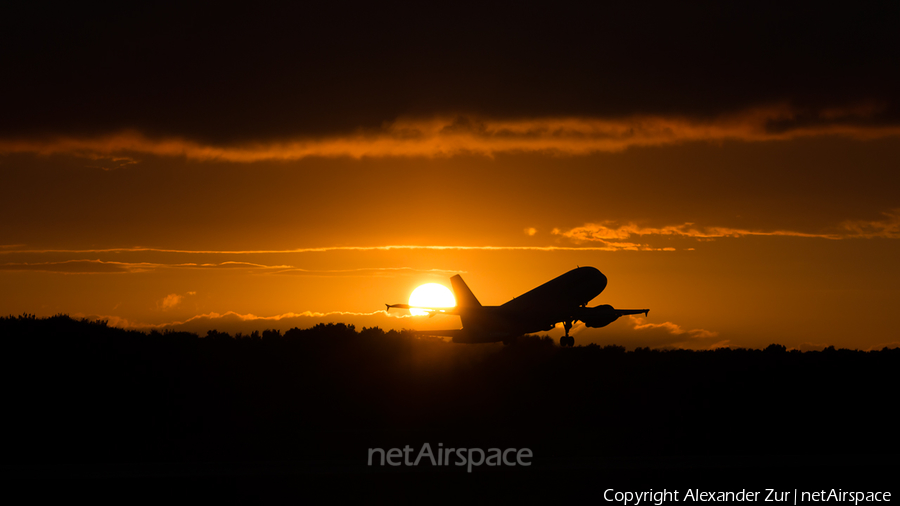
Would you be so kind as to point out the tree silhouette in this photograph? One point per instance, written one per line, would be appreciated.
(79, 389)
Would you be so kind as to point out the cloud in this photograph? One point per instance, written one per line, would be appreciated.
(108, 163)
(97, 266)
(879, 347)
(672, 328)
(635, 331)
(666, 335)
(602, 236)
(230, 264)
(455, 135)
(101, 266)
(608, 233)
(170, 301)
(886, 228)
(113, 320)
(608, 60)
(79, 266)
(320, 272)
(140, 249)
(232, 321)
(611, 234)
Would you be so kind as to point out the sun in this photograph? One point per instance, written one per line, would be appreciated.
(430, 295)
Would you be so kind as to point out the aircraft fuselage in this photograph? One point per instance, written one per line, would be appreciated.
(562, 299)
(537, 310)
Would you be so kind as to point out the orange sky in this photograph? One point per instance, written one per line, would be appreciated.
(746, 194)
(741, 244)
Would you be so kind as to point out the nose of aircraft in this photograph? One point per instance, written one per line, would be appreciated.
(593, 281)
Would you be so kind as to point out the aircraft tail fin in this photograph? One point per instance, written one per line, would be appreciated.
(464, 296)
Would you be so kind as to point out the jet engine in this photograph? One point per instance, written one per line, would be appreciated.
(598, 316)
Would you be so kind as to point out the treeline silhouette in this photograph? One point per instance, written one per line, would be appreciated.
(82, 391)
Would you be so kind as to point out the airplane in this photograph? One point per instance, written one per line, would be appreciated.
(563, 299)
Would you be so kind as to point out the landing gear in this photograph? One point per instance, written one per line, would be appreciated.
(567, 340)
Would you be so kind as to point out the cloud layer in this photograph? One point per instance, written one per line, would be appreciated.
(614, 235)
(232, 321)
(605, 236)
(298, 71)
(448, 136)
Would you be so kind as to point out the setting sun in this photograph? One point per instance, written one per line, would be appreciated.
(430, 295)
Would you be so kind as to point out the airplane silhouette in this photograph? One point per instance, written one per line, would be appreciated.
(563, 299)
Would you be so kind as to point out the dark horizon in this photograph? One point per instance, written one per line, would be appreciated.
(279, 332)
(139, 409)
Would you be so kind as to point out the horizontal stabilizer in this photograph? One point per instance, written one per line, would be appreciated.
(431, 310)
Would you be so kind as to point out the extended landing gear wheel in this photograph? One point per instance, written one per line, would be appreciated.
(567, 340)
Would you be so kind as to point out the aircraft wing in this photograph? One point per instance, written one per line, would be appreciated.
(601, 316)
(625, 312)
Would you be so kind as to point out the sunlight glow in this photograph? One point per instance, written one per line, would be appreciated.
(431, 295)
